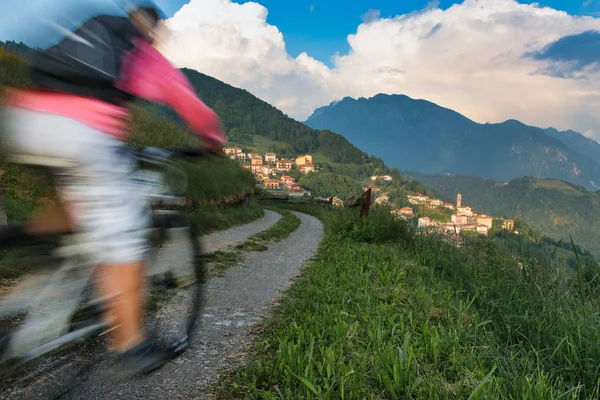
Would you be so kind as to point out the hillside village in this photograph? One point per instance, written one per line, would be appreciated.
(462, 217)
(272, 173)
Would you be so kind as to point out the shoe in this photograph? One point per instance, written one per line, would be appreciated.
(142, 359)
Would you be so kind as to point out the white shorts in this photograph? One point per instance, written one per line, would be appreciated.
(107, 205)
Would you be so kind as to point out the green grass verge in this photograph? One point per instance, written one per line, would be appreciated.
(287, 224)
(214, 218)
(386, 313)
(221, 261)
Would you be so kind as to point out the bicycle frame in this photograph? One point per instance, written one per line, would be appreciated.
(51, 307)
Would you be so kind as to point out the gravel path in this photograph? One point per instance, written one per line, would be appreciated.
(235, 303)
(222, 239)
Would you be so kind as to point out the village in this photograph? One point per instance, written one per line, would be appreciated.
(270, 172)
(462, 219)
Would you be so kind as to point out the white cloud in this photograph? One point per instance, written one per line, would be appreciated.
(468, 58)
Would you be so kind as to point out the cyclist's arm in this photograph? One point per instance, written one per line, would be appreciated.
(149, 75)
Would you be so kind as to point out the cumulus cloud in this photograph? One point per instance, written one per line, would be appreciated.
(371, 15)
(471, 57)
(474, 57)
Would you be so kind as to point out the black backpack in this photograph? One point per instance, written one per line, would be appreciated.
(88, 61)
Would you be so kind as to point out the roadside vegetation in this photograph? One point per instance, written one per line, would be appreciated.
(385, 312)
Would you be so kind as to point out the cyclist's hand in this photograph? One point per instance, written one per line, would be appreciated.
(215, 142)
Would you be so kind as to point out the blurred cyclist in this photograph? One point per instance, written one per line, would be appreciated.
(78, 113)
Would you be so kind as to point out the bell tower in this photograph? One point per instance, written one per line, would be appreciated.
(458, 200)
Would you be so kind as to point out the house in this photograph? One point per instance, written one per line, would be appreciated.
(266, 170)
(451, 228)
(256, 161)
(424, 222)
(306, 168)
(464, 210)
(303, 160)
(255, 155)
(272, 184)
(382, 201)
(406, 211)
(247, 166)
(508, 224)
(459, 219)
(256, 168)
(241, 156)
(485, 220)
(270, 157)
(287, 179)
(436, 202)
(284, 165)
(449, 205)
(397, 213)
(387, 178)
(232, 150)
(297, 188)
(483, 229)
(417, 199)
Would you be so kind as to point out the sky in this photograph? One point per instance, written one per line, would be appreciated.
(491, 60)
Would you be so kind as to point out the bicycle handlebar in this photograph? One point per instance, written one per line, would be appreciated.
(191, 152)
(179, 153)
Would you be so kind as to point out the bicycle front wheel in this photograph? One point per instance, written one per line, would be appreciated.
(175, 285)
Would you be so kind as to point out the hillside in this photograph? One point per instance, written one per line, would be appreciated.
(244, 114)
(421, 136)
(556, 208)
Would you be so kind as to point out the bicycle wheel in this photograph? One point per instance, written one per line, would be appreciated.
(33, 362)
(175, 285)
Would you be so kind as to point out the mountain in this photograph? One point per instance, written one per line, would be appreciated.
(422, 136)
(20, 49)
(577, 142)
(556, 208)
(243, 114)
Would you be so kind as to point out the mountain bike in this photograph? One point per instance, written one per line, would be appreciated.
(51, 322)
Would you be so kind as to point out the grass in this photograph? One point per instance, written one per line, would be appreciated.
(384, 312)
(221, 261)
(262, 144)
(552, 184)
(287, 224)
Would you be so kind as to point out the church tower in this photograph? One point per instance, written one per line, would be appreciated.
(458, 200)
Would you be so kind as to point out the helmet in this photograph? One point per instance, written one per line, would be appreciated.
(149, 7)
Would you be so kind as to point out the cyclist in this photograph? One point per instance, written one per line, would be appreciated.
(85, 121)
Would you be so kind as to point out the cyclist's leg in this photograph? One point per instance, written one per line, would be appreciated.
(108, 209)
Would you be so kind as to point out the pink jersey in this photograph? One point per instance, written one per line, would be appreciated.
(145, 74)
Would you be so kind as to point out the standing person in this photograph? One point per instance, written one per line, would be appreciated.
(77, 112)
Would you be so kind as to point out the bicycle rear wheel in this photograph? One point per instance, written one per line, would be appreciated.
(175, 285)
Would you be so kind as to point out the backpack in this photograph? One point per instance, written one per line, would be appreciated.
(88, 61)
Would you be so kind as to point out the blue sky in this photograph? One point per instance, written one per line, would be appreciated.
(321, 27)
(490, 60)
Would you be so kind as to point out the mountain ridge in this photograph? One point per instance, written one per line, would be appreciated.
(420, 135)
